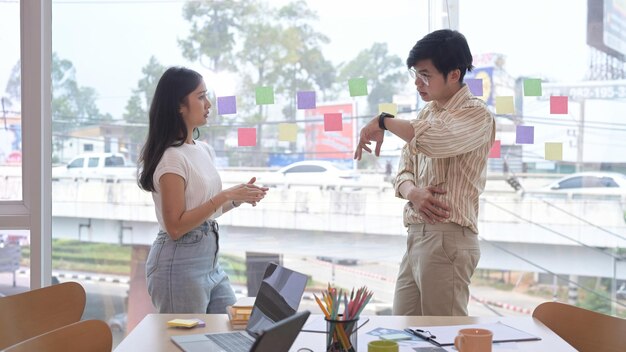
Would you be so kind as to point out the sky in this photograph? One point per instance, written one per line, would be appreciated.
(109, 41)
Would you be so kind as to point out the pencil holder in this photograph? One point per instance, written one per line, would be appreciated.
(341, 335)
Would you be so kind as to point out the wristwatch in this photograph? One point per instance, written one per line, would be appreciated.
(381, 120)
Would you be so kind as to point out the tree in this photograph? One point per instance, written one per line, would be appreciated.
(215, 25)
(136, 115)
(384, 73)
(72, 105)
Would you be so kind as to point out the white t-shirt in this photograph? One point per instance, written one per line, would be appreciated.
(195, 164)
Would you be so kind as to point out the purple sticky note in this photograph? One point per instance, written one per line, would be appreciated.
(246, 137)
(226, 105)
(475, 86)
(306, 100)
(525, 135)
(332, 122)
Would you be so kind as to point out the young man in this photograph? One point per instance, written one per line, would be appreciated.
(442, 173)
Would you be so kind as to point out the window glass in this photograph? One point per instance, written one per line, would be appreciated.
(350, 234)
(14, 259)
(10, 103)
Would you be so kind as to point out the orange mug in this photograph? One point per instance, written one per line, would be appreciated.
(473, 340)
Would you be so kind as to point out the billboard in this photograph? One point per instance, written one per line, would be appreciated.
(326, 145)
(606, 26)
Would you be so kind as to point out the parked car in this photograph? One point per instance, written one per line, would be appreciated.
(591, 183)
(320, 173)
(96, 165)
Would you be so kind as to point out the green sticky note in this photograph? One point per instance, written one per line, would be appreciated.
(287, 132)
(358, 86)
(389, 108)
(532, 87)
(264, 95)
(504, 105)
(554, 151)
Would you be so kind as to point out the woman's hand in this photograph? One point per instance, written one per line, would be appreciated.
(246, 193)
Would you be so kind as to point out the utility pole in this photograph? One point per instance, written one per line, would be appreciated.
(580, 137)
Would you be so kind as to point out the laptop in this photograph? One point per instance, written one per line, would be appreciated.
(273, 324)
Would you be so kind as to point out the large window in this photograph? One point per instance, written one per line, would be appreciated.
(342, 225)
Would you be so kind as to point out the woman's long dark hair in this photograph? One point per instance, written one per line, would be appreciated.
(166, 127)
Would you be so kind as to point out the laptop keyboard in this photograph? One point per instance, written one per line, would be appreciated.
(231, 342)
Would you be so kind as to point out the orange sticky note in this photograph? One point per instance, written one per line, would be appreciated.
(554, 151)
(558, 104)
(246, 137)
(494, 153)
(332, 122)
(504, 105)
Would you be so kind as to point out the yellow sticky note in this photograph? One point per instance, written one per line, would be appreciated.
(389, 108)
(554, 151)
(182, 323)
(287, 132)
(504, 105)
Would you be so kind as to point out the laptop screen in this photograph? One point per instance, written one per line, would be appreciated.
(278, 297)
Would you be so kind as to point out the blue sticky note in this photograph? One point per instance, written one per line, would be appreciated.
(525, 135)
(475, 86)
(306, 100)
(226, 105)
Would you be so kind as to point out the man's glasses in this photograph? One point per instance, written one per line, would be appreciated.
(414, 74)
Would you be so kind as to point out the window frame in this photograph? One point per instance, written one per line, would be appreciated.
(34, 212)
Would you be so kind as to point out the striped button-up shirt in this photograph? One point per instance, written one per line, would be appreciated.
(449, 150)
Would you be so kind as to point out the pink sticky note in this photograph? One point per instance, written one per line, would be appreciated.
(332, 122)
(558, 104)
(495, 150)
(246, 137)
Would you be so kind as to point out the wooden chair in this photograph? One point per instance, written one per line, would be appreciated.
(584, 329)
(84, 336)
(38, 311)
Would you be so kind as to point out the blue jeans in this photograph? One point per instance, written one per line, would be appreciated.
(184, 276)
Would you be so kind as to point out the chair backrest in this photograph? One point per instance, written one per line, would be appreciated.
(28, 314)
(84, 336)
(584, 329)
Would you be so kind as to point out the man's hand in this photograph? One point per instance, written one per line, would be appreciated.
(369, 133)
(425, 203)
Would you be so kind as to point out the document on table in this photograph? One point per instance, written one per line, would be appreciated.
(444, 335)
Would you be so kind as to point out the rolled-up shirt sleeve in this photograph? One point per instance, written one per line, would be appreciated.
(406, 171)
(452, 133)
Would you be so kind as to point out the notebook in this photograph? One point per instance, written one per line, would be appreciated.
(273, 322)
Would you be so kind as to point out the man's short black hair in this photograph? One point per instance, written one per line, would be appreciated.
(447, 49)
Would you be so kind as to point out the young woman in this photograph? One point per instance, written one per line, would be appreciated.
(182, 269)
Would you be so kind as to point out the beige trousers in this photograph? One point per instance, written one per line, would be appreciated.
(435, 272)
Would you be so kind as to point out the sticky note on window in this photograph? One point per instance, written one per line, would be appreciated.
(525, 135)
(504, 105)
(494, 153)
(226, 105)
(306, 100)
(532, 87)
(389, 108)
(246, 137)
(264, 95)
(554, 151)
(558, 104)
(332, 122)
(287, 132)
(475, 86)
(358, 86)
